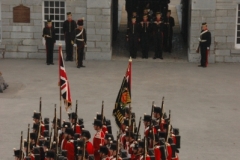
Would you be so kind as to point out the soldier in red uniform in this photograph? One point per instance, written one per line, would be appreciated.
(129, 142)
(113, 152)
(104, 127)
(98, 138)
(63, 136)
(80, 154)
(18, 154)
(50, 155)
(147, 120)
(142, 149)
(70, 145)
(103, 153)
(89, 147)
(73, 120)
(107, 139)
(36, 118)
(135, 155)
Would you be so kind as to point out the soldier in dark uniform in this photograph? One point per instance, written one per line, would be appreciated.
(49, 35)
(204, 44)
(158, 28)
(133, 37)
(81, 40)
(168, 34)
(69, 27)
(145, 30)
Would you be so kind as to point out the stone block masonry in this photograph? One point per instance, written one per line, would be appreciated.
(221, 21)
(99, 30)
(24, 40)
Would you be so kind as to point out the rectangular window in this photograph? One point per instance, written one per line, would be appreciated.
(55, 11)
(237, 34)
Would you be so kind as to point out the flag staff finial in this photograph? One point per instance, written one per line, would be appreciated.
(130, 59)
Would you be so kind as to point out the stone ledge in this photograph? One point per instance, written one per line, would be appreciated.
(16, 55)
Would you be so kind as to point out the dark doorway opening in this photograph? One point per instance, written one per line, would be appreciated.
(121, 47)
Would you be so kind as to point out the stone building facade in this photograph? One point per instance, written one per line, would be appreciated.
(24, 40)
(223, 18)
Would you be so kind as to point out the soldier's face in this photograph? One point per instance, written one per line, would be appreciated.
(145, 123)
(133, 20)
(158, 16)
(168, 14)
(145, 18)
(204, 27)
(49, 25)
(69, 17)
(134, 14)
(155, 115)
(145, 11)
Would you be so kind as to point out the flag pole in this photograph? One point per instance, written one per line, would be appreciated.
(60, 95)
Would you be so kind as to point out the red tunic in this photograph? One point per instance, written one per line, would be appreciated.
(146, 132)
(70, 150)
(42, 129)
(77, 129)
(64, 143)
(157, 153)
(89, 147)
(147, 157)
(169, 150)
(32, 157)
(97, 140)
(104, 129)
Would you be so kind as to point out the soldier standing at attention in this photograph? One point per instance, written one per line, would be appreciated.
(133, 37)
(145, 29)
(81, 40)
(69, 27)
(158, 27)
(49, 35)
(168, 34)
(204, 45)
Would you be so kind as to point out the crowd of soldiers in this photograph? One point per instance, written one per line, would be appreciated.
(3, 84)
(149, 22)
(70, 140)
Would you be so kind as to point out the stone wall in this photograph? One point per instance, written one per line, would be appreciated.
(221, 18)
(99, 30)
(24, 40)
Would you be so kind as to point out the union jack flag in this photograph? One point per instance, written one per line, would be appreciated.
(64, 83)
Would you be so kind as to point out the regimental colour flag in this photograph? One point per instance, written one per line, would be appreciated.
(124, 96)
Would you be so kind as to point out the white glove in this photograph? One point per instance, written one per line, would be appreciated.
(59, 132)
(74, 45)
(208, 48)
(132, 145)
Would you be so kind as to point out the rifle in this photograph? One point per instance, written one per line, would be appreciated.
(21, 150)
(75, 125)
(102, 111)
(139, 125)
(130, 119)
(56, 131)
(117, 152)
(161, 116)
(28, 144)
(50, 139)
(169, 127)
(145, 148)
(151, 128)
(84, 148)
(40, 121)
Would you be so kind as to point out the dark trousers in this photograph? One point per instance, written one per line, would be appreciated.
(80, 52)
(168, 41)
(69, 46)
(49, 51)
(158, 45)
(133, 46)
(203, 51)
(145, 45)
